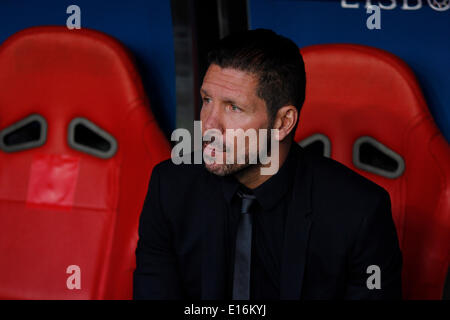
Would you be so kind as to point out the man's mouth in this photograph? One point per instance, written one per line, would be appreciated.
(210, 150)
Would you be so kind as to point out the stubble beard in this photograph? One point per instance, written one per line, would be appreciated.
(226, 169)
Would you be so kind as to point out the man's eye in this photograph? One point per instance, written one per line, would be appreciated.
(206, 100)
(234, 108)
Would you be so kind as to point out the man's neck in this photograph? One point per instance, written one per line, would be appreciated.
(252, 178)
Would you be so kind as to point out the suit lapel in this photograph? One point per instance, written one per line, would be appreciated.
(213, 242)
(298, 225)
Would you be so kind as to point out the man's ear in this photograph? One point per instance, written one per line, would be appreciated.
(285, 121)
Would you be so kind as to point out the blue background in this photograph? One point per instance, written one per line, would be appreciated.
(145, 27)
(421, 38)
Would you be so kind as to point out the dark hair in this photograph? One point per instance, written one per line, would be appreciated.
(274, 59)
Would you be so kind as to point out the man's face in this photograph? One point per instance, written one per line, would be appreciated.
(230, 102)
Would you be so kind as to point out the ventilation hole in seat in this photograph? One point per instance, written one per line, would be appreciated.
(28, 133)
(317, 143)
(87, 137)
(373, 156)
(25, 134)
(91, 139)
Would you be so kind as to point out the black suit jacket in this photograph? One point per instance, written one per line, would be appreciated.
(338, 224)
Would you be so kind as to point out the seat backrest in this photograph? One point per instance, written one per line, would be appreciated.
(78, 142)
(365, 109)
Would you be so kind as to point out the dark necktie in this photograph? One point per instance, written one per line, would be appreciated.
(243, 252)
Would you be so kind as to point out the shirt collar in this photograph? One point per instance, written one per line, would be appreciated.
(271, 191)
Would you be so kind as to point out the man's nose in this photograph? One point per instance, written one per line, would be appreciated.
(212, 118)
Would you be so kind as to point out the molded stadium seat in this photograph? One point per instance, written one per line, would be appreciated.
(78, 142)
(365, 108)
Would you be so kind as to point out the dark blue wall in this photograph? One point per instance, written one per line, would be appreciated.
(143, 26)
(421, 38)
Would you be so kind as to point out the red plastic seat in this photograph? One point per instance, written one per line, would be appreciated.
(358, 94)
(62, 203)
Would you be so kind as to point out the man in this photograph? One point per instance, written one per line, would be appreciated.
(313, 230)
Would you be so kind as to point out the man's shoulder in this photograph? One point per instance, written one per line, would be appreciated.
(170, 172)
(181, 186)
(336, 180)
(341, 197)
